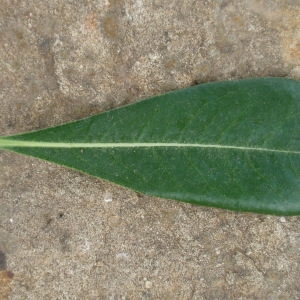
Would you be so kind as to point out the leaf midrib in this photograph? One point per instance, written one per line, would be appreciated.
(6, 143)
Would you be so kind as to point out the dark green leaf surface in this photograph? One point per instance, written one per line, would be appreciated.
(233, 145)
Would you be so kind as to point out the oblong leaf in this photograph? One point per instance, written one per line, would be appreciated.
(233, 145)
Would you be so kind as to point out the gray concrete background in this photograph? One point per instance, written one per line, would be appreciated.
(60, 235)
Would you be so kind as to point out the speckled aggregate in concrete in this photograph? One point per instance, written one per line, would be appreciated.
(65, 235)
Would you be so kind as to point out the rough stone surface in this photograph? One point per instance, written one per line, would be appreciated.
(65, 235)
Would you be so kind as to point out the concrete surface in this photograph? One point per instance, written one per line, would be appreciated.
(60, 235)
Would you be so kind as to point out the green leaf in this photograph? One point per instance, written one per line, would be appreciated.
(232, 145)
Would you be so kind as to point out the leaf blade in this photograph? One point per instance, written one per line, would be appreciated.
(231, 145)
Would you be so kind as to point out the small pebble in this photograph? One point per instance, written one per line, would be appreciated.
(108, 197)
(148, 284)
(282, 220)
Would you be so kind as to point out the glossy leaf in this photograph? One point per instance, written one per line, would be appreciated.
(233, 145)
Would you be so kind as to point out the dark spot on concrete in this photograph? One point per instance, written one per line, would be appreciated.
(167, 37)
(5, 287)
(60, 215)
(224, 4)
(45, 45)
(64, 241)
(170, 64)
(28, 175)
(139, 195)
(110, 26)
(195, 82)
(133, 89)
(147, 295)
(19, 35)
(3, 263)
(126, 101)
(10, 124)
(233, 73)
(9, 274)
(48, 221)
(225, 47)
(204, 79)
(92, 74)
(261, 218)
